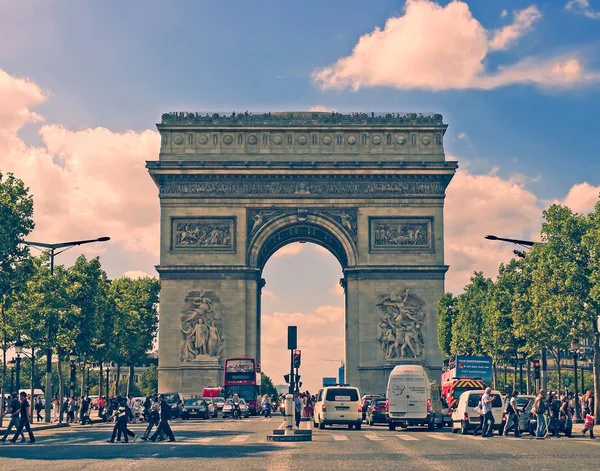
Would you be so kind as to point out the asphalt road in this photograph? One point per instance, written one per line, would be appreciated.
(225, 445)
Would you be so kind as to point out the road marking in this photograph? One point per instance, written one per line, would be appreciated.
(266, 420)
(340, 438)
(281, 426)
(206, 439)
(372, 436)
(474, 437)
(408, 438)
(240, 438)
(439, 437)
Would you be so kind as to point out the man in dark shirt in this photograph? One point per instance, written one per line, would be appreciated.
(165, 415)
(24, 419)
(84, 411)
(15, 406)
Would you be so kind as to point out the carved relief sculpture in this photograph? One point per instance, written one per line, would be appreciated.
(201, 327)
(400, 330)
(201, 234)
(399, 234)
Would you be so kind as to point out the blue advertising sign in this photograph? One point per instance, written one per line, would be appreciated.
(474, 367)
(330, 381)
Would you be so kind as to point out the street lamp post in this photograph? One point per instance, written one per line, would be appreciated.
(521, 358)
(18, 351)
(73, 359)
(107, 375)
(52, 248)
(82, 365)
(575, 351)
(12, 375)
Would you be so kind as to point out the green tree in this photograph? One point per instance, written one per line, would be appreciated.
(149, 381)
(447, 312)
(468, 325)
(136, 321)
(266, 385)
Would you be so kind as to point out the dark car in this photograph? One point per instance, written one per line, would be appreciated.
(195, 408)
(175, 401)
(377, 412)
(528, 421)
(366, 402)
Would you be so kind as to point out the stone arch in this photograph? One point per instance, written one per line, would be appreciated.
(289, 228)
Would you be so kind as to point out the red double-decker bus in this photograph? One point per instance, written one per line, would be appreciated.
(241, 378)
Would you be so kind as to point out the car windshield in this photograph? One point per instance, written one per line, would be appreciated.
(342, 394)
(379, 403)
(219, 400)
(171, 397)
(194, 402)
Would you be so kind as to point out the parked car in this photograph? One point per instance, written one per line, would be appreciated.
(465, 419)
(446, 413)
(377, 412)
(195, 408)
(365, 402)
(338, 405)
(212, 407)
(228, 408)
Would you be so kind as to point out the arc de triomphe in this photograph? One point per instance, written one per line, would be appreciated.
(234, 189)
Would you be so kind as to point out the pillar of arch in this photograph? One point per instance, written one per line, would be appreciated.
(234, 189)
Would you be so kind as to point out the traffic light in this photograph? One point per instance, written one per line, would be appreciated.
(536, 369)
(287, 378)
(297, 354)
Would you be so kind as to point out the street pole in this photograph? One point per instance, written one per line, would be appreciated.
(54, 320)
(107, 374)
(582, 380)
(292, 379)
(520, 376)
(100, 378)
(18, 373)
(575, 350)
(12, 380)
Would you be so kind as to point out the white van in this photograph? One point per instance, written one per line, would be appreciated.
(409, 394)
(464, 417)
(338, 405)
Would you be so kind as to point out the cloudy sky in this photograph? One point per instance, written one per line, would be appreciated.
(82, 84)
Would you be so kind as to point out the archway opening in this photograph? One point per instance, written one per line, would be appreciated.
(302, 288)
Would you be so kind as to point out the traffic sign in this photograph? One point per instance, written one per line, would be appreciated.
(567, 381)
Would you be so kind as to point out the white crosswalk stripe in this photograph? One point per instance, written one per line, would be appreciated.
(439, 437)
(206, 439)
(408, 438)
(474, 437)
(240, 438)
(372, 436)
(340, 438)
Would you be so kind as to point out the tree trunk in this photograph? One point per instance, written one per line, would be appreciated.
(558, 370)
(61, 392)
(118, 376)
(505, 380)
(528, 377)
(130, 382)
(597, 374)
(495, 370)
(3, 365)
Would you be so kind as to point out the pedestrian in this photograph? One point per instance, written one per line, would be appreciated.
(297, 409)
(71, 411)
(39, 407)
(55, 409)
(488, 421)
(23, 420)
(13, 409)
(479, 410)
(308, 407)
(512, 416)
(566, 417)
(539, 409)
(147, 406)
(120, 416)
(165, 415)
(553, 406)
(589, 425)
(85, 407)
(153, 419)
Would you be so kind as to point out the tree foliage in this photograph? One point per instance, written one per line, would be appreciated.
(266, 385)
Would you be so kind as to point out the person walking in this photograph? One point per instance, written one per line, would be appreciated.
(163, 426)
(120, 416)
(488, 420)
(539, 409)
(39, 407)
(512, 414)
(13, 409)
(55, 409)
(297, 409)
(553, 406)
(153, 419)
(85, 408)
(589, 425)
(566, 416)
(24, 420)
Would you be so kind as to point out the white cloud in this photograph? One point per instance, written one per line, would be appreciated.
(320, 336)
(583, 7)
(266, 294)
(137, 274)
(101, 186)
(289, 250)
(337, 290)
(321, 108)
(523, 22)
(463, 135)
(504, 13)
(582, 197)
(405, 56)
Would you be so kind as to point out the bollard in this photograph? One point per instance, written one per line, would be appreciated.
(289, 414)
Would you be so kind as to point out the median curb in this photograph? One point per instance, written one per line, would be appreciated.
(48, 427)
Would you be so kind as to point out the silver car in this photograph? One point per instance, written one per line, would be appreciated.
(228, 409)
